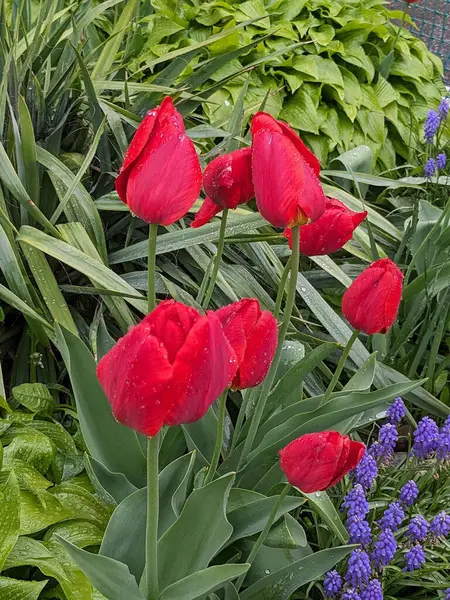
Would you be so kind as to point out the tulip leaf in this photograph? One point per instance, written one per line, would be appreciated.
(363, 378)
(203, 582)
(173, 482)
(287, 533)
(101, 432)
(280, 584)
(201, 436)
(110, 577)
(202, 525)
(115, 485)
(323, 505)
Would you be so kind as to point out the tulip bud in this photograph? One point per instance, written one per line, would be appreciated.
(227, 182)
(316, 461)
(160, 178)
(285, 174)
(372, 301)
(330, 232)
(253, 335)
(168, 369)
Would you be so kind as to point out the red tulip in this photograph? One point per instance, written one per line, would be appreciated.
(285, 174)
(160, 178)
(168, 370)
(330, 232)
(371, 302)
(253, 335)
(227, 182)
(316, 461)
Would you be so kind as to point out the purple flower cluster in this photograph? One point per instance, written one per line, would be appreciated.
(396, 411)
(393, 517)
(440, 525)
(425, 438)
(444, 108)
(355, 502)
(373, 591)
(418, 529)
(332, 584)
(384, 549)
(443, 441)
(351, 595)
(431, 125)
(414, 558)
(366, 472)
(359, 568)
(387, 440)
(441, 161)
(408, 493)
(359, 531)
(430, 168)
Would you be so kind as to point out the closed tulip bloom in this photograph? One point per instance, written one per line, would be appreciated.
(168, 369)
(330, 232)
(227, 181)
(160, 178)
(253, 335)
(316, 461)
(285, 174)
(371, 302)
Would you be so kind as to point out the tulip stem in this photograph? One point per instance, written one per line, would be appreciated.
(262, 536)
(151, 293)
(280, 294)
(219, 437)
(268, 382)
(152, 518)
(217, 259)
(340, 366)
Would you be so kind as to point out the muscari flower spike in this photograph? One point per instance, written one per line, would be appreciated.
(373, 591)
(444, 108)
(367, 471)
(409, 493)
(387, 440)
(425, 438)
(350, 595)
(359, 531)
(384, 549)
(359, 568)
(441, 161)
(431, 125)
(418, 529)
(430, 168)
(355, 502)
(440, 525)
(392, 517)
(414, 558)
(396, 411)
(332, 584)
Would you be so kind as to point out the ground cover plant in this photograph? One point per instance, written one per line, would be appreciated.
(272, 352)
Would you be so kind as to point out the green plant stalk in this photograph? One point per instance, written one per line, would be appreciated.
(215, 271)
(340, 366)
(262, 536)
(151, 293)
(151, 542)
(280, 294)
(219, 437)
(268, 382)
(151, 547)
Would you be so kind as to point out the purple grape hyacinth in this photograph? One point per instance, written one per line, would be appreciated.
(373, 591)
(444, 108)
(440, 525)
(367, 471)
(355, 502)
(384, 549)
(431, 125)
(396, 411)
(443, 441)
(393, 517)
(332, 584)
(441, 161)
(414, 558)
(425, 438)
(409, 493)
(418, 529)
(447, 594)
(430, 168)
(350, 595)
(359, 531)
(359, 568)
(387, 440)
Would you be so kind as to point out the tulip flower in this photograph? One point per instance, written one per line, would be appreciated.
(253, 334)
(227, 182)
(371, 302)
(168, 369)
(330, 232)
(316, 461)
(285, 174)
(160, 178)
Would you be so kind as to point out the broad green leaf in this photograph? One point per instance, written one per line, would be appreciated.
(39, 511)
(116, 485)
(287, 533)
(281, 584)
(34, 448)
(35, 397)
(75, 584)
(28, 477)
(363, 378)
(323, 505)
(111, 578)
(101, 432)
(30, 552)
(173, 484)
(79, 532)
(203, 582)
(13, 589)
(201, 436)
(81, 503)
(202, 525)
(9, 515)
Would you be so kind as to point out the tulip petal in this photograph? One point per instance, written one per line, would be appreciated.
(197, 381)
(132, 387)
(171, 323)
(261, 345)
(165, 180)
(136, 146)
(227, 179)
(207, 211)
(309, 157)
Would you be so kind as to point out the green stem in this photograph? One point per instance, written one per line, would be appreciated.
(280, 294)
(262, 536)
(340, 366)
(402, 24)
(215, 271)
(151, 294)
(268, 382)
(219, 437)
(152, 518)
